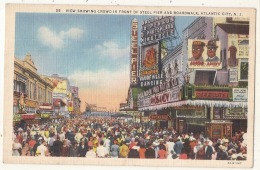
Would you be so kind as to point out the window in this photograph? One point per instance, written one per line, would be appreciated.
(244, 70)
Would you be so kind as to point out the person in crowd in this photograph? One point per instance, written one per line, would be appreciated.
(73, 150)
(162, 154)
(82, 149)
(199, 151)
(221, 153)
(42, 149)
(101, 150)
(91, 153)
(31, 144)
(178, 147)
(150, 152)
(142, 151)
(124, 150)
(170, 145)
(115, 150)
(57, 147)
(64, 149)
(17, 148)
(95, 142)
(208, 150)
(183, 154)
(134, 152)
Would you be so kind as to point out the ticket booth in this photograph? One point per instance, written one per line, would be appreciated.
(216, 130)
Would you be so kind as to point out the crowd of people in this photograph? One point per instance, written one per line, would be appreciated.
(111, 138)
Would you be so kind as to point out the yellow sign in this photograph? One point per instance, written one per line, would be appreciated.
(30, 103)
(59, 86)
(45, 115)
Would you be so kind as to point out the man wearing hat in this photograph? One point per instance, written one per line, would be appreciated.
(197, 50)
(211, 51)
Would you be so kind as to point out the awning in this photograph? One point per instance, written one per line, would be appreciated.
(209, 103)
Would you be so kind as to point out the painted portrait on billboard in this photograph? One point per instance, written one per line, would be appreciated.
(150, 59)
(204, 54)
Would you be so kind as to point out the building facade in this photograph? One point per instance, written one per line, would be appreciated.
(32, 91)
(199, 94)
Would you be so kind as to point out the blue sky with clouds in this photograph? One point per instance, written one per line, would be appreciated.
(63, 43)
(91, 50)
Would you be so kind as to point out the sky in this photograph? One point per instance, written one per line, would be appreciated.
(92, 51)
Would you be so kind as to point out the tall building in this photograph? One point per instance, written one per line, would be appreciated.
(201, 80)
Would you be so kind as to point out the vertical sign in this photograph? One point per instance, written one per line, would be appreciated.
(134, 52)
(233, 75)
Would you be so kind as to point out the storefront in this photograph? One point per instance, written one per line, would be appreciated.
(191, 118)
(219, 129)
(162, 121)
(31, 118)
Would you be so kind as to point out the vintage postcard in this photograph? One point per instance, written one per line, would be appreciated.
(129, 86)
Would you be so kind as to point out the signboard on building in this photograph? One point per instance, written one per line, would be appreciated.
(150, 80)
(240, 94)
(150, 60)
(191, 113)
(209, 94)
(46, 107)
(74, 91)
(163, 97)
(28, 116)
(233, 75)
(59, 85)
(134, 52)
(204, 54)
(157, 28)
(238, 47)
(235, 113)
(159, 117)
(45, 115)
(243, 70)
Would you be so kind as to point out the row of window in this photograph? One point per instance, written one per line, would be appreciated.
(33, 91)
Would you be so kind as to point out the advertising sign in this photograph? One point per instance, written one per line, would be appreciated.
(204, 54)
(28, 116)
(59, 85)
(159, 117)
(206, 94)
(238, 47)
(150, 60)
(74, 90)
(157, 28)
(45, 115)
(160, 98)
(150, 80)
(233, 75)
(134, 52)
(240, 94)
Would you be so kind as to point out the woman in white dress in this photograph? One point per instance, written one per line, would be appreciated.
(16, 147)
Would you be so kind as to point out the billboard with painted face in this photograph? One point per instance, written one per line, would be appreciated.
(204, 54)
(150, 60)
(59, 85)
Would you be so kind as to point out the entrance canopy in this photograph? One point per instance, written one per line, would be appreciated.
(214, 103)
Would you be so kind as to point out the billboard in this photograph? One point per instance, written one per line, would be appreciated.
(157, 28)
(204, 54)
(150, 60)
(59, 85)
(74, 91)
